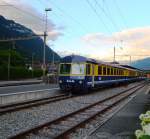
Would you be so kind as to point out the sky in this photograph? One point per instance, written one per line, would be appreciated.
(88, 27)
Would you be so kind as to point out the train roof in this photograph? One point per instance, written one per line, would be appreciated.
(77, 58)
(130, 67)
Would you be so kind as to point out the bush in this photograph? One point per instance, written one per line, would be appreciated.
(37, 73)
(18, 73)
(3, 73)
(145, 123)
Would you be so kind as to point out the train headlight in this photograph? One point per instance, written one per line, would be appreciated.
(60, 81)
(80, 82)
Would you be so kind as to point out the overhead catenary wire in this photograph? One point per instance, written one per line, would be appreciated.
(98, 15)
(111, 20)
(83, 27)
(120, 14)
(58, 17)
(95, 11)
(109, 13)
(105, 13)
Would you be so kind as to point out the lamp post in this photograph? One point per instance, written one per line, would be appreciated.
(45, 35)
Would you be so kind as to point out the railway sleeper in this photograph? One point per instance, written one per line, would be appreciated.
(51, 132)
(77, 119)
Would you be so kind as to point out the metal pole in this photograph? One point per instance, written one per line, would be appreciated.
(130, 60)
(13, 47)
(44, 56)
(53, 57)
(114, 54)
(32, 64)
(45, 35)
(9, 56)
(45, 32)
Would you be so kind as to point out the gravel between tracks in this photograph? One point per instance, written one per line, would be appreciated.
(12, 123)
(82, 133)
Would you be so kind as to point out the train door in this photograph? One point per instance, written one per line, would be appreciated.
(93, 74)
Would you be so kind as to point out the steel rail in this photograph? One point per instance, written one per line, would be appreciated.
(31, 103)
(27, 104)
(80, 117)
(106, 107)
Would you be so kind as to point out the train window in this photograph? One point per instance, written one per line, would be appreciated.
(123, 72)
(88, 69)
(112, 71)
(108, 71)
(104, 70)
(119, 72)
(77, 68)
(99, 70)
(65, 68)
(115, 71)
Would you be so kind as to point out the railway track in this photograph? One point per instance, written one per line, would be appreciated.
(62, 127)
(22, 105)
(27, 104)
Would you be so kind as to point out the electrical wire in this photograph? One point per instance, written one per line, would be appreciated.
(98, 15)
(58, 17)
(83, 27)
(120, 13)
(109, 17)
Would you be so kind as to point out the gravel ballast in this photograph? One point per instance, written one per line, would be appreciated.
(12, 123)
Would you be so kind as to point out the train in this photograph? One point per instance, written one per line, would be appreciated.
(81, 73)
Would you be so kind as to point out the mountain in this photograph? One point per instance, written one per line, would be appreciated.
(142, 64)
(27, 48)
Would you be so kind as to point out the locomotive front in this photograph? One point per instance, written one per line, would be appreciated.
(72, 76)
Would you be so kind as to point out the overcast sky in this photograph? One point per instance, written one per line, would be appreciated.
(88, 27)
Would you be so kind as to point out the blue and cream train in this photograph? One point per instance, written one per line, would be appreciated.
(81, 73)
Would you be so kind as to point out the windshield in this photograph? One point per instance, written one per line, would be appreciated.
(77, 69)
(74, 68)
(65, 68)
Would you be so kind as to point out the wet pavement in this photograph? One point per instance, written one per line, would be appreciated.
(123, 124)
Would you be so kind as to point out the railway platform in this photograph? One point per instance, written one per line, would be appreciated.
(124, 123)
(19, 82)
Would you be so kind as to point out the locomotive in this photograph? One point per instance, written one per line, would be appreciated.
(81, 73)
